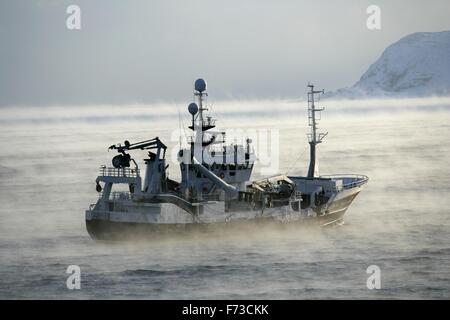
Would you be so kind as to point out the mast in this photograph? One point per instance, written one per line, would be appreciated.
(199, 91)
(314, 137)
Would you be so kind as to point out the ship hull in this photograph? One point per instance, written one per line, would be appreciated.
(337, 209)
(104, 229)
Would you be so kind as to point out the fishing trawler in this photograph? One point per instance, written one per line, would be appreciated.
(216, 190)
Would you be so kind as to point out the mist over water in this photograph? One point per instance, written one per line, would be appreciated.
(400, 222)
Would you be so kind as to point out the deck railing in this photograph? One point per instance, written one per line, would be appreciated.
(349, 180)
(118, 172)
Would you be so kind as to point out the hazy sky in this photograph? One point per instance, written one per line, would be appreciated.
(146, 51)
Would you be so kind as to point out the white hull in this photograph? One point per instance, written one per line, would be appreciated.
(158, 218)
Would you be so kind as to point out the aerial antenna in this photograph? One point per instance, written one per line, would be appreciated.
(200, 92)
(314, 137)
(179, 126)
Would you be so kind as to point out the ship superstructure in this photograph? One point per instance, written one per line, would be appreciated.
(215, 188)
(228, 167)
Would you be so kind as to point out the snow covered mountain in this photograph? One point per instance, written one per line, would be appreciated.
(416, 65)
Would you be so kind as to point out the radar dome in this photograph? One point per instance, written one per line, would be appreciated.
(193, 108)
(200, 85)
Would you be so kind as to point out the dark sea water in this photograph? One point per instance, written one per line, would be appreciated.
(400, 222)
